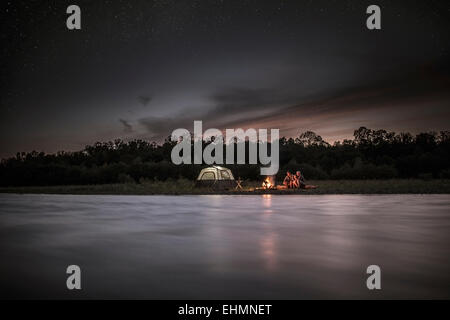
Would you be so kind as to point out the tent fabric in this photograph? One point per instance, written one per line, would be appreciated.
(215, 173)
(216, 177)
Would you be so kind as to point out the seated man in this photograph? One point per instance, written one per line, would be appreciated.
(287, 182)
(301, 182)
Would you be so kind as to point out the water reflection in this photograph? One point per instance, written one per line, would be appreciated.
(225, 246)
(268, 241)
(269, 250)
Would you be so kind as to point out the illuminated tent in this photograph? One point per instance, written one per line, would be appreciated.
(216, 176)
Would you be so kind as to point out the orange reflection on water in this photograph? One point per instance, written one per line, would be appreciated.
(269, 253)
(268, 241)
(267, 203)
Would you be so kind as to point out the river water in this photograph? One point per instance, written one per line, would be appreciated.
(225, 247)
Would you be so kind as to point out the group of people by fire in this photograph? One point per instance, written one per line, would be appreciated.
(296, 181)
(291, 181)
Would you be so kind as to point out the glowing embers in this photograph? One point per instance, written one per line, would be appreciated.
(268, 183)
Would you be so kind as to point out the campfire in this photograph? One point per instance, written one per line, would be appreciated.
(268, 183)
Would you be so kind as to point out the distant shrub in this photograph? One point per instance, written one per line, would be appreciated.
(425, 176)
(125, 178)
(311, 172)
(308, 171)
(445, 174)
(364, 171)
(380, 172)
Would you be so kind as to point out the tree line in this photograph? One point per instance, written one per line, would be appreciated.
(371, 154)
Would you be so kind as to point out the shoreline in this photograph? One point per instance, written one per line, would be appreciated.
(185, 187)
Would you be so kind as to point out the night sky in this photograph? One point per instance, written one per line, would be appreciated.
(140, 69)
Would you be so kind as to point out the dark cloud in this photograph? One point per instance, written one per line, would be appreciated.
(127, 127)
(159, 128)
(388, 101)
(294, 65)
(145, 100)
(248, 99)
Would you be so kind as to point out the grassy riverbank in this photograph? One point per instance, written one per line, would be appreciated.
(396, 186)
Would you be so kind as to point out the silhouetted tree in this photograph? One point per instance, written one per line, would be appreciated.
(372, 154)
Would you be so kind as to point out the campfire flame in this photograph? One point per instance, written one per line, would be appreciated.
(268, 183)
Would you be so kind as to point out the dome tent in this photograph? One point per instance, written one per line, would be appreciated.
(217, 177)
